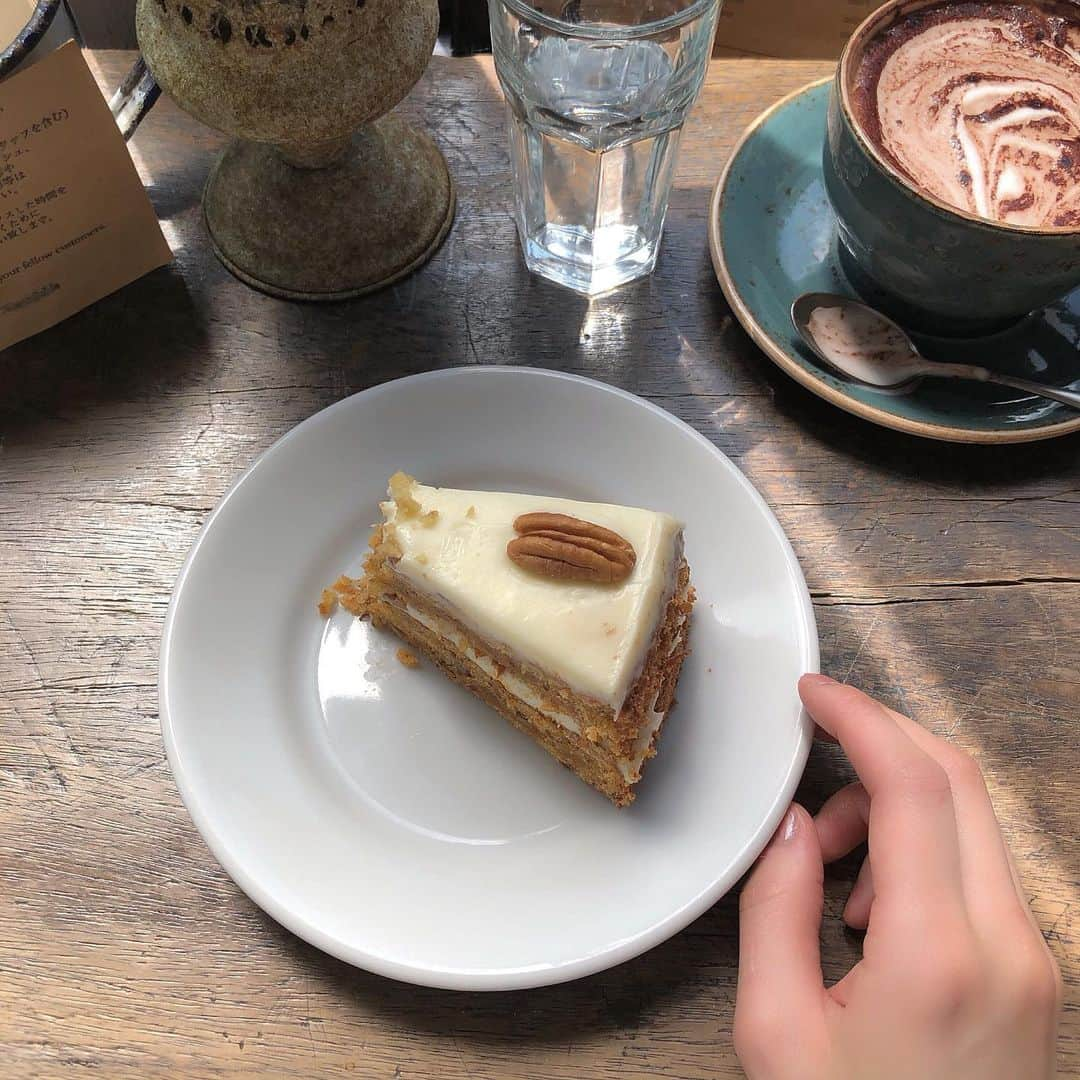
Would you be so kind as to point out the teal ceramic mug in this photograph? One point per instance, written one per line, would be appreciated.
(931, 266)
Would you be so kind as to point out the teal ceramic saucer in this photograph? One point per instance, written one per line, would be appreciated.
(772, 234)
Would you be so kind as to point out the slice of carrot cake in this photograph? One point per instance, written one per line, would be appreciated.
(570, 619)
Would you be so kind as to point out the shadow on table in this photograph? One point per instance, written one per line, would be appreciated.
(134, 344)
(905, 456)
(953, 465)
(620, 1000)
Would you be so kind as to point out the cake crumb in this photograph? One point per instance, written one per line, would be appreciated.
(471, 512)
(429, 519)
(422, 559)
(407, 659)
(609, 629)
(351, 594)
(401, 485)
(327, 603)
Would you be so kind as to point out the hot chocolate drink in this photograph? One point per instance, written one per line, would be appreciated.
(978, 105)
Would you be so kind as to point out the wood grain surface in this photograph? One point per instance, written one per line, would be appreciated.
(946, 580)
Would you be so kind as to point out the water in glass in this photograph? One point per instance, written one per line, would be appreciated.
(595, 112)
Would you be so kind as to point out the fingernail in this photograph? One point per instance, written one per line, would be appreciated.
(785, 831)
(816, 679)
(788, 826)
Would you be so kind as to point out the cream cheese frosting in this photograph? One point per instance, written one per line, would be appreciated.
(593, 636)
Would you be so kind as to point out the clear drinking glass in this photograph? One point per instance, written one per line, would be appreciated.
(597, 92)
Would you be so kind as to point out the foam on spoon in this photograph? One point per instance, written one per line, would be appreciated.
(862, 343)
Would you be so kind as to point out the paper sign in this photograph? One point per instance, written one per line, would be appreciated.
(75, 222)
(809, 29)
(14, 15)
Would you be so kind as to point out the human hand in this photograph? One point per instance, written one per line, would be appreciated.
(955, 983)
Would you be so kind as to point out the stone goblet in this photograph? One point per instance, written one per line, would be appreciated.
(322, 196)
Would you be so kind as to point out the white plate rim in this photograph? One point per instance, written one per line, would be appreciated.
(510, 978)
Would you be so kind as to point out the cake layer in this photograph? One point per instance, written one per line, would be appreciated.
(453, 545)
(626, 735)
(515, 694)
(587, 760)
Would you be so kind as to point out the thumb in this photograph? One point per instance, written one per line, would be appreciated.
(780, 983)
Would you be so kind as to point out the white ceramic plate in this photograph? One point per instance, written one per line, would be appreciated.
(385, 815)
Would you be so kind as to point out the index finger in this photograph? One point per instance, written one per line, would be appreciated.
(913, 837)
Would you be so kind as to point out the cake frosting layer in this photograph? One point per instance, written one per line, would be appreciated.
(595, 636)
(979, 105)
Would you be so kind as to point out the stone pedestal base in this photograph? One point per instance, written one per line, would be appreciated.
(332, 232)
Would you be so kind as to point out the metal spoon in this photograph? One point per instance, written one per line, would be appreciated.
(867, 347)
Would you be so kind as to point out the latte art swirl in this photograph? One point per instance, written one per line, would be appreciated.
(979, 105)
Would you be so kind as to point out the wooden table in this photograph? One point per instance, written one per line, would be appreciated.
(946, 580)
